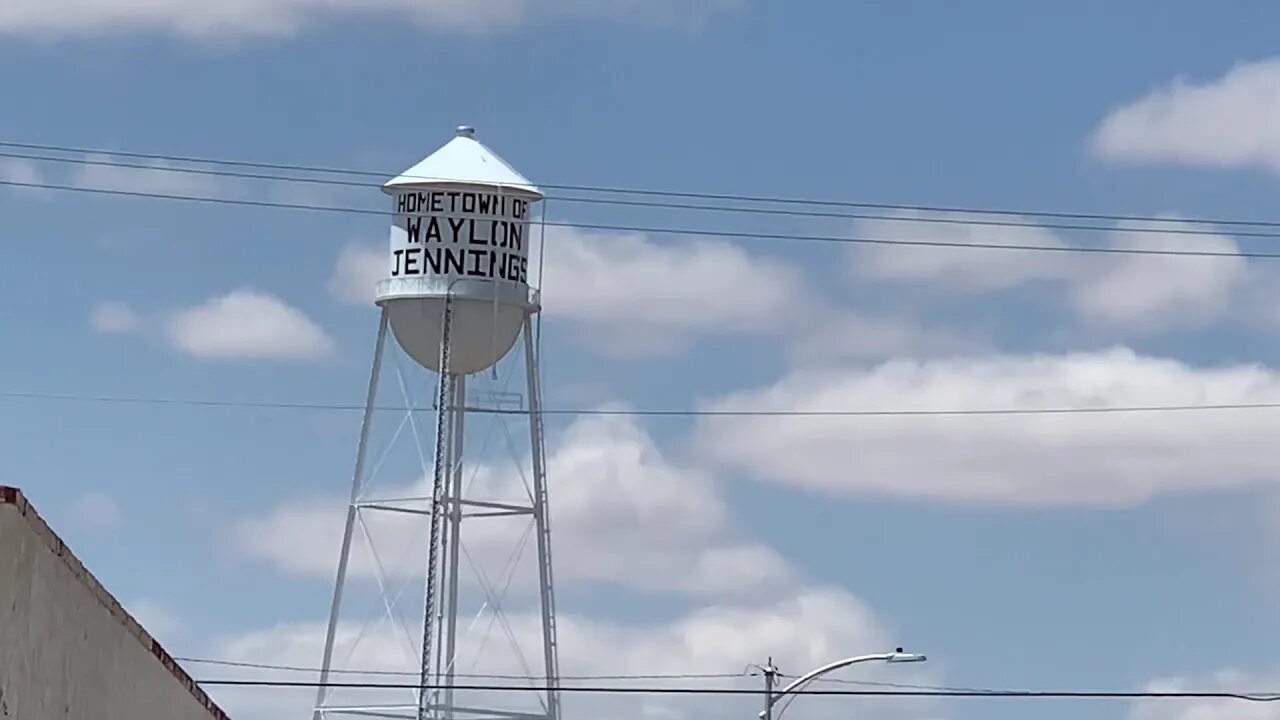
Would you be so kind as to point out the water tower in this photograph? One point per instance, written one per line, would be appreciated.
(456, 297)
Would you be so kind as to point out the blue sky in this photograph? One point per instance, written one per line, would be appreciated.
(1102, 552)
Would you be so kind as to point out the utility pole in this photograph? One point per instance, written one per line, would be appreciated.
(770, 676)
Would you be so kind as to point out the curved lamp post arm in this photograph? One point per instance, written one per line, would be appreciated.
(829, 667)
(805, 679)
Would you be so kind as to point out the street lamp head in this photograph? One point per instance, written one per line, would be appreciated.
(899, 656)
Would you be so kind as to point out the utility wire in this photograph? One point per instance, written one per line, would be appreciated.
(655, 193)
(927, 219)
(491, 676)
(649, 676)
(905, 690)
(838, 239)
(669, 690)
(482, 676)
(239, 174)
(884, 412)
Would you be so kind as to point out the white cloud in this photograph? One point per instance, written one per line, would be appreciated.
(114, 318)
(157, 177)
(20, 171)
(1258, 307)
(959, 268)
(286, 17)
(1116, 291)
(1153, 292)
(156, 618)
(95, 511)
(1225, 681)
(247, 324)
(25, 173)
(838, 336)
(98, 172)
(621, 513)
(1229, 121)
(810, 627)
(663, 295)
(357, 272)
(1031, 460)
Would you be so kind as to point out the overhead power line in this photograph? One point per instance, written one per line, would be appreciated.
(669, 690)
(482, 676)
(777, 200)
(673, 412)
(489, 676)
(838, 239)
(923, 219)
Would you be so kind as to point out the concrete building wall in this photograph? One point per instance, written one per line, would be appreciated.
(68, 650)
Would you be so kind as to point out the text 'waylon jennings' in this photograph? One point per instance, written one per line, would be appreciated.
(453, 232)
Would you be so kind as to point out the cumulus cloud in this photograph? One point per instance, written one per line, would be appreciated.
(972, 269)
(1154, 292)
(97, 171)
(247, 324)
(62, 18)
(17, 170)
(156, 618)
(809, 627)
(664, 294)
(106, 172)
(621, 513)
(356, 273)
(115, 318)
(1225, 122)
(843, 335)
(95, 511)
(1147, 293)
(1109, 459)
(20, 171)
(22, 175)
(1225, 681)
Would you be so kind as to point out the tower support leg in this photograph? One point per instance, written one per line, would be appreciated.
(435, 695)
(455, 542)
(444, 417)
(357, 485)
(542, 520)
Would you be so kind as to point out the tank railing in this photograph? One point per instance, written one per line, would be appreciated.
(441, 287)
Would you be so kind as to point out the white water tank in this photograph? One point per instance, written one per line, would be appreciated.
(460, 229)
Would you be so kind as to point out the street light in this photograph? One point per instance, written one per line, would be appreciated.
(897, 656)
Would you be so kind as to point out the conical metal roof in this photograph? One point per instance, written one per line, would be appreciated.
(463, 160)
